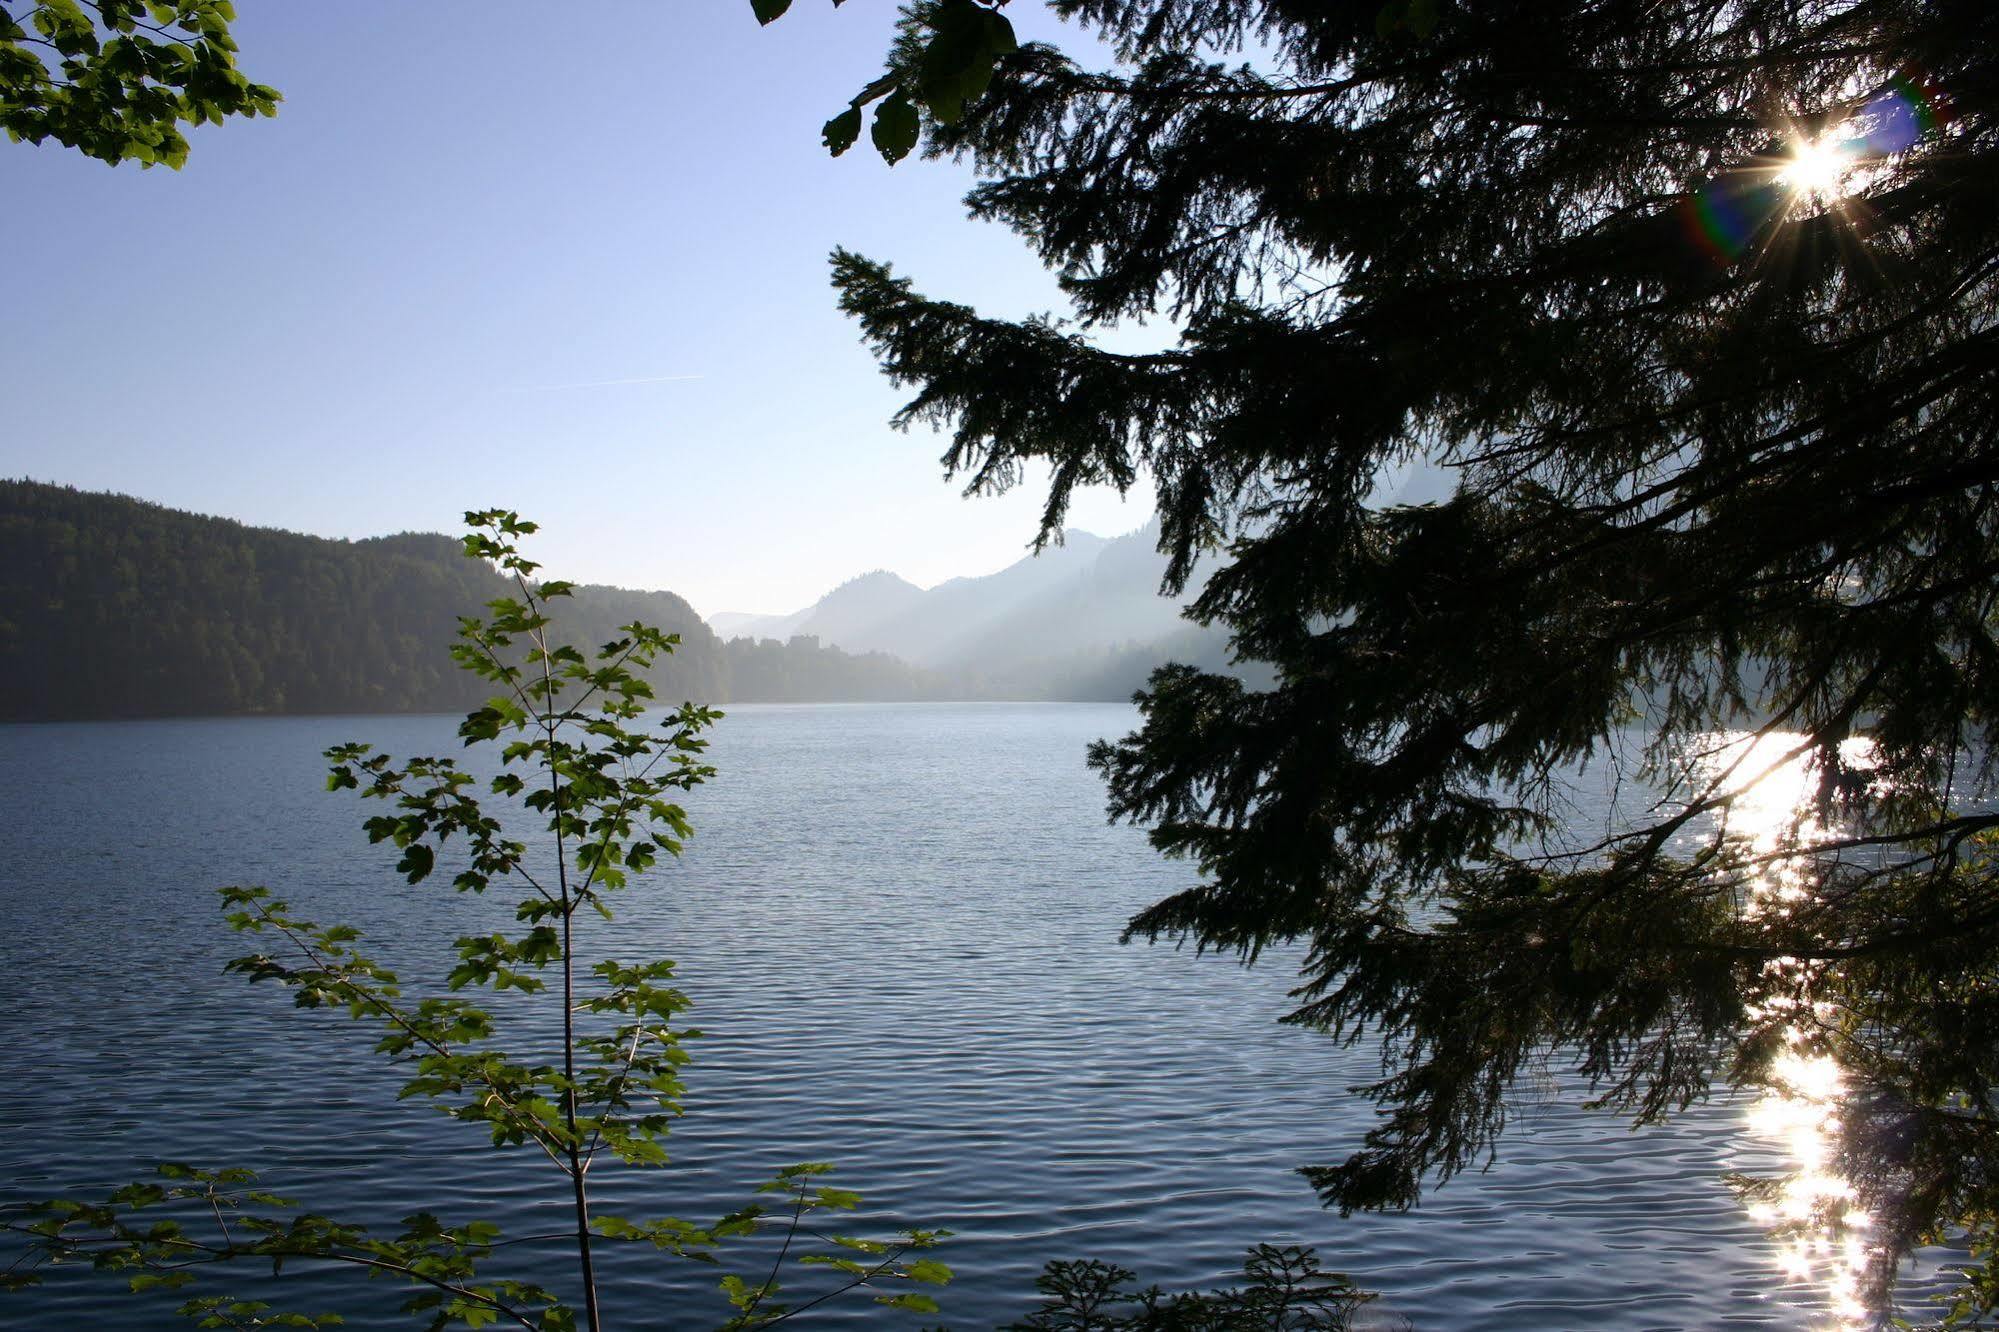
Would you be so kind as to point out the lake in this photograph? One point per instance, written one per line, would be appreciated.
(898, 924)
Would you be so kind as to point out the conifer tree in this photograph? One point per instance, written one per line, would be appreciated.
(1694, 306)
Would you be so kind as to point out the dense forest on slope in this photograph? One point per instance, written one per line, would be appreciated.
(113, 607)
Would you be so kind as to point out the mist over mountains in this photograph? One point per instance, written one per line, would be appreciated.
(116, 607)
(1078, 606)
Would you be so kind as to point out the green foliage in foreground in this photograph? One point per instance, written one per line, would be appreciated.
(573, 755)
(116, 79)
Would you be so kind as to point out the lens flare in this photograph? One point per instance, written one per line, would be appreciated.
(1846, 158)
(1721, 218)
(1724, 215)
(1901, 115)
(1822, 169)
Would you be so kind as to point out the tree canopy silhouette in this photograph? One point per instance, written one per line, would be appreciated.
(1694, 305)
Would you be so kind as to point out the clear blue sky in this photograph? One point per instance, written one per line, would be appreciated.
(403, 298)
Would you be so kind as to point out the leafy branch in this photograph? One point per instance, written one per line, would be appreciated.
(944, 60)
(116, 79)
(574, 753)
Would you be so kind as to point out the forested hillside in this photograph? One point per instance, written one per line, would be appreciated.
(114, 607)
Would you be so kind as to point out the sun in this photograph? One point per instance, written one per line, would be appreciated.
(1822, 168)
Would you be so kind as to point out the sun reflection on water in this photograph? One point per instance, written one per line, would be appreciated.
(1812, 1214)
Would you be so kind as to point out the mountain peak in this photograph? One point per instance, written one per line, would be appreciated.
(873, 581)
(851, 610)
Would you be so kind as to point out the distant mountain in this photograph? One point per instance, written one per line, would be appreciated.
(942, 627)
(1027, 625)
(1111, 601)
(845, 616)
(114, 607)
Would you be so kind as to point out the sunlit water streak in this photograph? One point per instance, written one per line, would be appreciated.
(1815, 1220)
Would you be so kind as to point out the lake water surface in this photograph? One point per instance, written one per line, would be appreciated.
(899, 927)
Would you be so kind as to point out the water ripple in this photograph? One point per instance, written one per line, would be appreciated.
(899, 927)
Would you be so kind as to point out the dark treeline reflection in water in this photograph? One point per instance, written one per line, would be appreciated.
(898, 925)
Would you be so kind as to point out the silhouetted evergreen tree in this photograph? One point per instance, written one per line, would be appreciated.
(1696, 304)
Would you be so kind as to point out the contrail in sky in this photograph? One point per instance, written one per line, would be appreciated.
(613, 383)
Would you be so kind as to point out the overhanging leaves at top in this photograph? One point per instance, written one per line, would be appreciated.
(116, 79)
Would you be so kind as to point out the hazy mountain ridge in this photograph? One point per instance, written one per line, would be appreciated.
(117, 607)
(1087, 598)
(847, 616)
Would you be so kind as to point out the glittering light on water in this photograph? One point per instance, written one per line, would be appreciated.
(1813, 1216)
